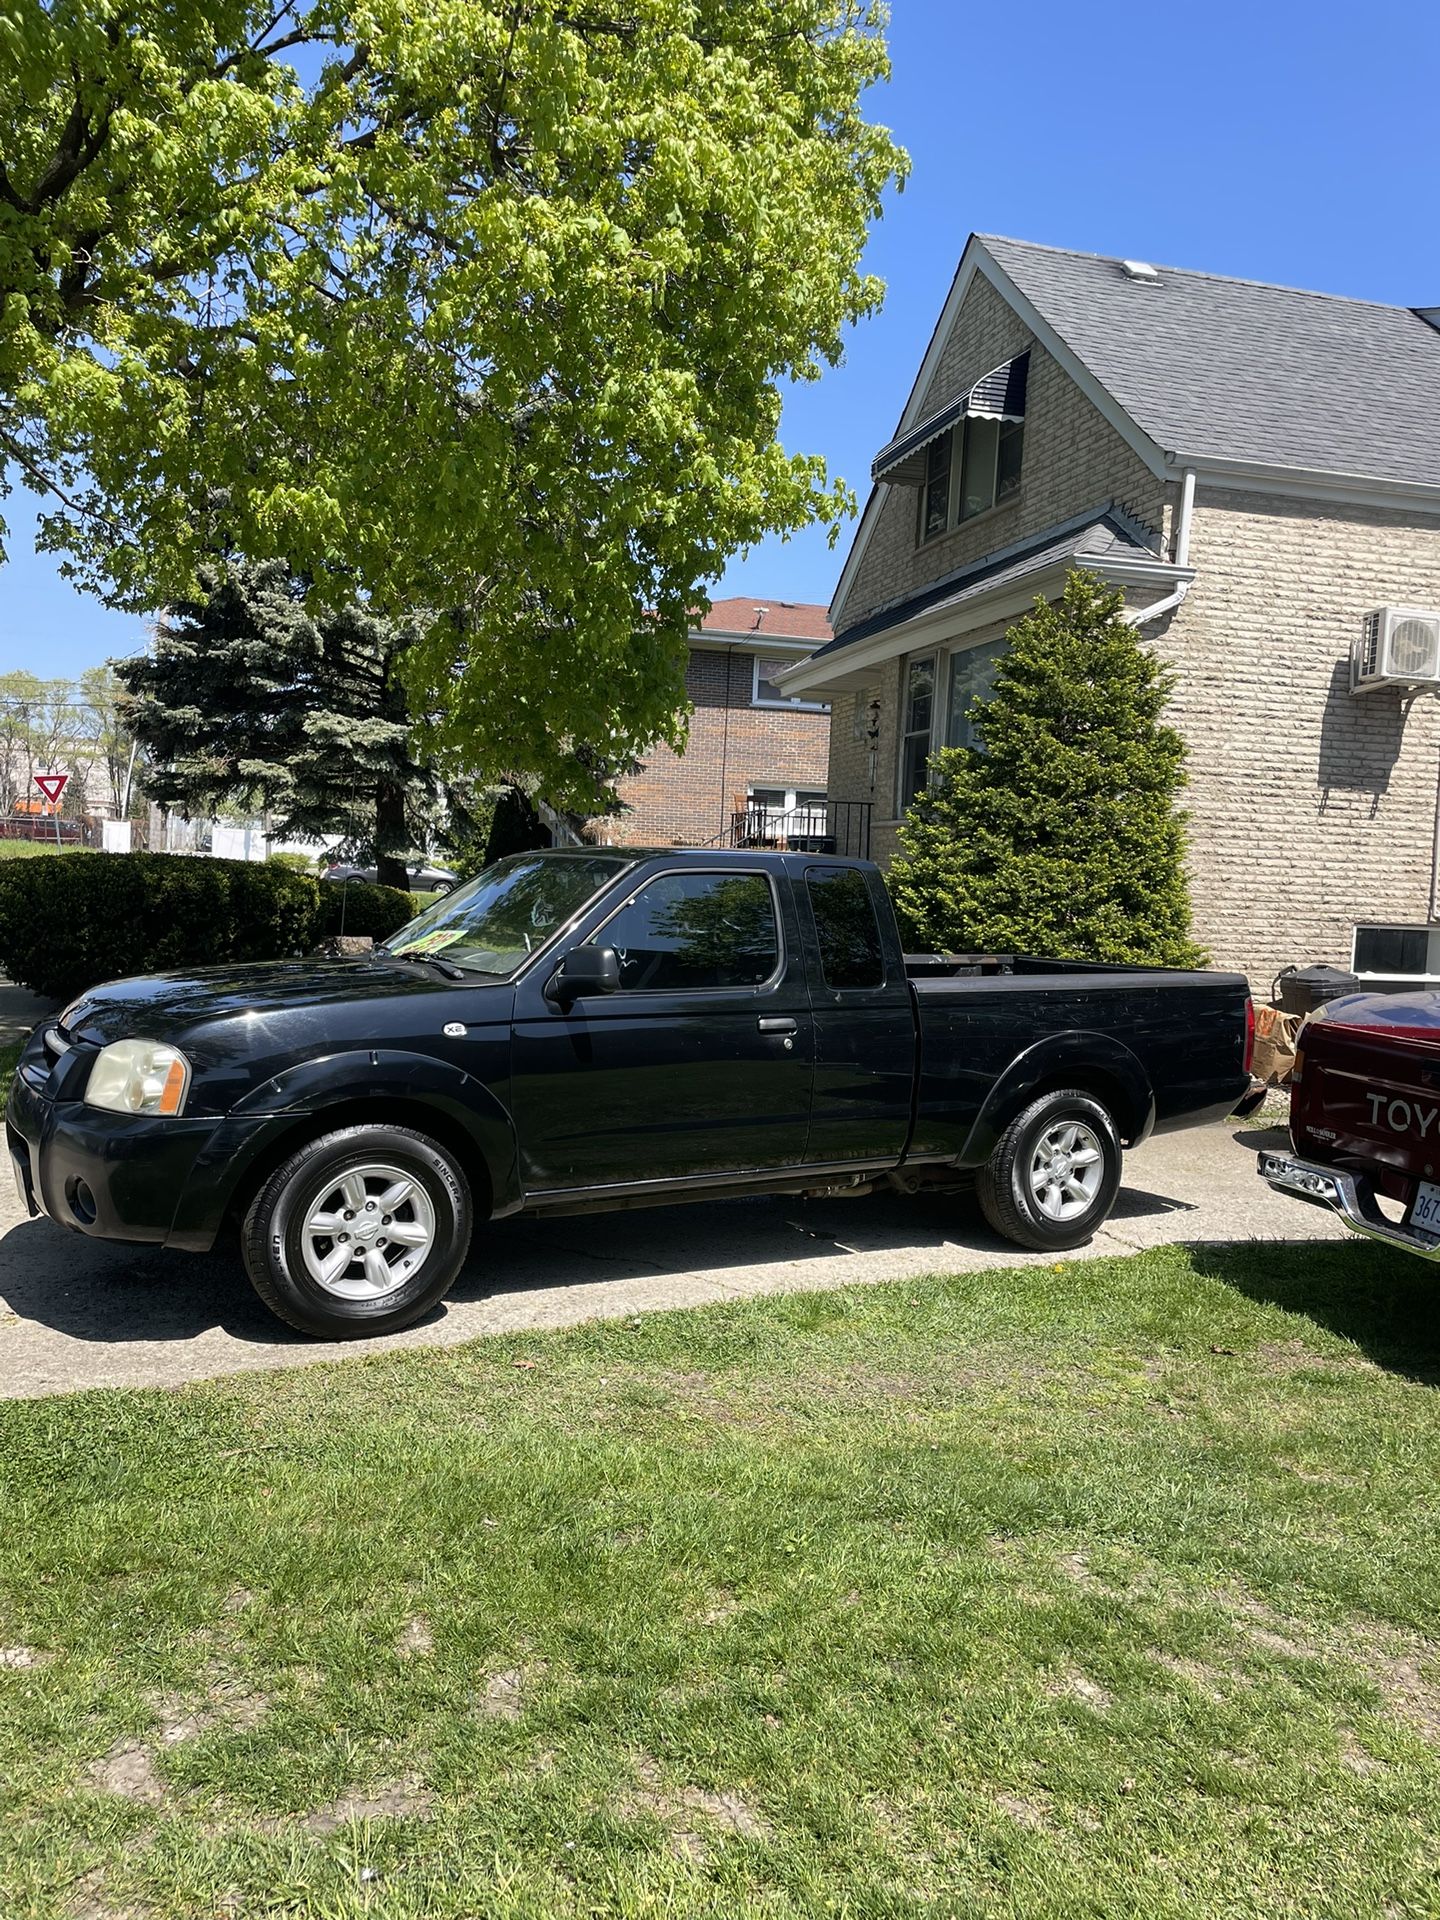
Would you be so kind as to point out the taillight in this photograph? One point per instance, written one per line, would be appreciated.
(1249, 1032)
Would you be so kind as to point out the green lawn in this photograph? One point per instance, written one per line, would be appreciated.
(25, 849)
(1109, 1589)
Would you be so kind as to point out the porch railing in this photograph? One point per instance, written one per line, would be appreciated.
(822, 826)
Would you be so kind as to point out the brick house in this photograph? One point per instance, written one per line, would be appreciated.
(754, 751)
(1258, 468)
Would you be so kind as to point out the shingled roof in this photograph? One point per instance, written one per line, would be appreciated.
(1089, 540)
(777, 619)
(1211, 368)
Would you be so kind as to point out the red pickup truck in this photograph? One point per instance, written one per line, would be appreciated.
(1365, 1118)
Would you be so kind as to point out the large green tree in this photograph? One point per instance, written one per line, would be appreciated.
(487, 301)
(250, 698)
(1061, 833)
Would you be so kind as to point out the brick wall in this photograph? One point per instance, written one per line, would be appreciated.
(1073, 459)
(1311, 809)
(685, 799)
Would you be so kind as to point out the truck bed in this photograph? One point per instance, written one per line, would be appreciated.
(1165, 1044)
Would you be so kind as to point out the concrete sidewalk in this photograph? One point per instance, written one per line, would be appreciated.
(19, 1012)
(77, 1313)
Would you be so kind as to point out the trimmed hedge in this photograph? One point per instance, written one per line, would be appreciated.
(363, 907)
(71, 921)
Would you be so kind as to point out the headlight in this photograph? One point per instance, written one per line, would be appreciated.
(139, 1076)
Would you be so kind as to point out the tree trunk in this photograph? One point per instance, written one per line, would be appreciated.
(390, 836)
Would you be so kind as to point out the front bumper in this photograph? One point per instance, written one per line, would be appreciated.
(1350, 1195)
(112, 1176)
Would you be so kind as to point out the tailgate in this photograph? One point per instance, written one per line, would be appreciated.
(1367, 1100)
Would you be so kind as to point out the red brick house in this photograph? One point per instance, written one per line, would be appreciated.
(756, 761)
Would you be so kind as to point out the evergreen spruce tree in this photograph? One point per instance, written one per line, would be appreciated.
(250, 700)
(1062, 834)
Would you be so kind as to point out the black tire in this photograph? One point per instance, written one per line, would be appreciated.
(1004, 1185)
(274, 1246)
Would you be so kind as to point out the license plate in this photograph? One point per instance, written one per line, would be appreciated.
(1425, 1214)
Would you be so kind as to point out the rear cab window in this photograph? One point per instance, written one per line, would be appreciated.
(846, 928)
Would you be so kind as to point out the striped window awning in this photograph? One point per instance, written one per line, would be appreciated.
(997, 395)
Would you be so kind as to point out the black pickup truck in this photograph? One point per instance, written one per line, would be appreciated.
(593, 1028)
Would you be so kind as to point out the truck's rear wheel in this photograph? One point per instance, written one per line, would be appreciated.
(1052, 1180)
(359, 1232)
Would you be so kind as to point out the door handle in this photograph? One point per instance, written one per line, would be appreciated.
(782, 1025)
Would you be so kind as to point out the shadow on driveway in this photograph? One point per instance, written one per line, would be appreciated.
(90, 1290)
(140, 1297)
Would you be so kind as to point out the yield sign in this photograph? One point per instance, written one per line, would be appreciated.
(52, 785)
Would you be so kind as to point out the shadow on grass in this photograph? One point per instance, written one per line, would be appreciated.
(1388, 1303)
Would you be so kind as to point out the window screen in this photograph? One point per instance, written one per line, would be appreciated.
(850, 951)
(688, 930)
(1392, 949)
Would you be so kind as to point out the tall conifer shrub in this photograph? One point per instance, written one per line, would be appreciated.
(1062, 833)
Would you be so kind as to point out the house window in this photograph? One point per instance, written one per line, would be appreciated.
(688, 930)
(764, 691)
(918, 717)
(1397, 953)
(935, 494)
(969, 469)
(972, 678)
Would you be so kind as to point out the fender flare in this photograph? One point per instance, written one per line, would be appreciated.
(269, 1111)
(1080, 1057)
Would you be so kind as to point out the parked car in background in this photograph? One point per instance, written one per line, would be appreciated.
(421, 879)
(587, 1028)
(1365, 1118)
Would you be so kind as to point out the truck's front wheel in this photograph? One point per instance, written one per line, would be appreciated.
(1052, 1180)
(359, 1232)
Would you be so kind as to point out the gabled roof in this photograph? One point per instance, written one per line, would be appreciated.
(1246, 384)
(1212, 368)
(777, 619)
(1099, 539)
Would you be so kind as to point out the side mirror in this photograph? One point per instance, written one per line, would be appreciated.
(583, 971)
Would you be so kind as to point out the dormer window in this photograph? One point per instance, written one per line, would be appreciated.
(966, 458)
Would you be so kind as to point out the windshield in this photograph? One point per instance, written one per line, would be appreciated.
(493, 924)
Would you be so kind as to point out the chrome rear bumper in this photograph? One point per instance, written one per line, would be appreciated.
(1347, 1194)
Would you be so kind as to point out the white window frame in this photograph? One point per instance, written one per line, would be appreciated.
(796, 704)
(1430, 929)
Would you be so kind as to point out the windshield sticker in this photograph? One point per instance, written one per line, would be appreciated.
(436, 938)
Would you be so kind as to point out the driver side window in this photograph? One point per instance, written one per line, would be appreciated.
(694, 930)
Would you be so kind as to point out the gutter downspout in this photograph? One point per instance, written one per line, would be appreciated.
(1142, 616)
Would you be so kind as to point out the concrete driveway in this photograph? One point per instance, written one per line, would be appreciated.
(75, 1313)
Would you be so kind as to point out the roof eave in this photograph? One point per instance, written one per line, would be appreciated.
(850, 663)
(1316, 483)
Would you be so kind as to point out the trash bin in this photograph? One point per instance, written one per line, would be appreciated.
(1302, 989)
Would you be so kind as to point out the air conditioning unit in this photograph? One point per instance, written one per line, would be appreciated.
(1396, 647)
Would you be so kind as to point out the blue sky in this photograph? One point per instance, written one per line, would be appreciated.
(1274, 140)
